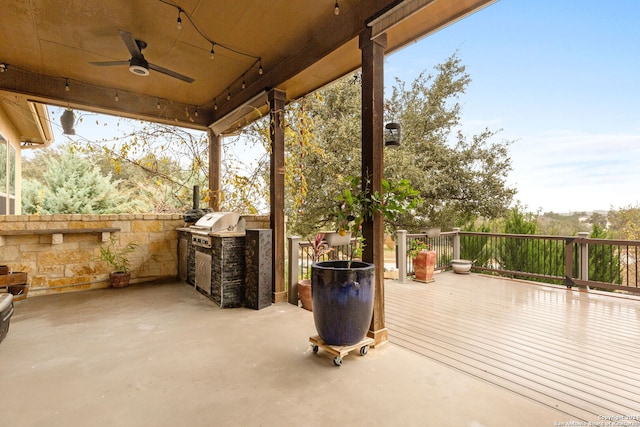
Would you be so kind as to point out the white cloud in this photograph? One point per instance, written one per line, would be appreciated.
(565, 171)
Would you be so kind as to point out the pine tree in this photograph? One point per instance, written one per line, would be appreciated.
(71, 184)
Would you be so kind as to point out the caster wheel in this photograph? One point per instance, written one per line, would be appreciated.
(315, 349)
(364, 350)
(337, 361)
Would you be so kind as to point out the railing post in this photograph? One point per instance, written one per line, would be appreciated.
(584, 257)
(401, 256)
(456, 243)
(293, 247)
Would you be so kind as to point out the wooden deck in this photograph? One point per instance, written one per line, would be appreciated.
(574, 351)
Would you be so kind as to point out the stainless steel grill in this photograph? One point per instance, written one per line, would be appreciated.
(215, 222)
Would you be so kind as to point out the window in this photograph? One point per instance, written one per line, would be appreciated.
(7, 178)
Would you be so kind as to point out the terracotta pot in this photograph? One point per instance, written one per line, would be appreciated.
(119, 279)
(304, 294)
(424, 265)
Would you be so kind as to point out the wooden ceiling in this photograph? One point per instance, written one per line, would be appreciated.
(302, 45)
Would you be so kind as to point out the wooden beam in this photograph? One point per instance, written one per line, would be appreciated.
(277, 99)
(343, 28)
(51, 90)
(373, 166)
(215, 166)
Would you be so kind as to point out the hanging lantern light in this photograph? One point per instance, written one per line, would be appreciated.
(392, 135)
(67, 120)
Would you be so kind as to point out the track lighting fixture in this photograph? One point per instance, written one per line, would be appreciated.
(215, 104)
(66, 85)
(260, 70)
(158, 104)
(3, 68)
(212, 52)
(116, 97)
(228, 94)
(195, 113)
(244, 82)
(336, 8)
(179, 19)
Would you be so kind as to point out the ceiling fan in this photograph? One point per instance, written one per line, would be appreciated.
(137, 64)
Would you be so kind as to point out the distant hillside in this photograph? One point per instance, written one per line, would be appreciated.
(568, 224)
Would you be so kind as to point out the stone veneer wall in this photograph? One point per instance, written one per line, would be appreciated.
(61, 262)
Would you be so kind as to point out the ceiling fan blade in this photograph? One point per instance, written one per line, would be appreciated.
(131, 44)
(109, 63)
(171, 73)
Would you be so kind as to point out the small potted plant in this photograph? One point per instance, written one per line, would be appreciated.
(424, 260)
(118, 258)
(319, 248)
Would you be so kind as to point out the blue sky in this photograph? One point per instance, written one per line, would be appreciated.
(560, 78)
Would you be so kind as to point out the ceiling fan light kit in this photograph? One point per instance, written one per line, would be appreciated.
(138, 65)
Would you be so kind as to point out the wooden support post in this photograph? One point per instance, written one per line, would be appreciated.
(277, 99)
(215, 160)
(373, 167)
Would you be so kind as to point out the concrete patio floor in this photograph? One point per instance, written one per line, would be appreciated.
(165, 355)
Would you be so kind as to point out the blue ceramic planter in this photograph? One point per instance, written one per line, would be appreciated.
(342, 294)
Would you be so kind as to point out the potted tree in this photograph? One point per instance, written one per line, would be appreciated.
(424, 260)
(118, 258)
(343, 290)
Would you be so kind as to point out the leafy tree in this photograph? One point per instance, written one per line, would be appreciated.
(598, 219)
(71, 184)
(160, 163)
(324, 166)
(625, 223)
(300, 144)
(459, 177)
